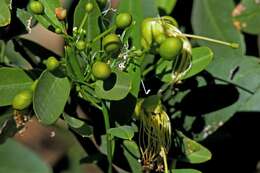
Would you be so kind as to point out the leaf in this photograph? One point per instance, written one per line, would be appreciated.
(123, 132)
(194, 152)
(208, 21)
(185, 171)
(26, 18)
(91, 26)
(16, 158)
(15, 58)
(166, 5)
(50, 97)
(247, 16)
(5, 15)
(13, 80)
(116, 87)
(132, 154)
(78, 126)
(201, 57)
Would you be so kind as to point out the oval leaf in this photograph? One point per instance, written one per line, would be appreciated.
(50, 97)
(124, 132)
(116, 87)
(201, 57)
(16, 158)
(13, 80)
(193, 151)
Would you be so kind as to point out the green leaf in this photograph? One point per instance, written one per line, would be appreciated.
(166, 5)
(116, 87)
(201, 57)
(213, 19)
(91, 26)
(193, 151)
(50, 97)
(13, 80)
(26, 18)
(132, 154)
(15, 58)
(15, 158)
(5, 15)
(123, 132)
(185, 171)
(78, 126)
(247, 16)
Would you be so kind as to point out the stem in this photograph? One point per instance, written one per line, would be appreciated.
(2, 52)
(104, 33)
(83, 22)
(233, 45)
(109, 137)
(164, 160)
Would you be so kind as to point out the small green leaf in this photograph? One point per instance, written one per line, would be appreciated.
(193, 151)
(13, 80)
(26, 18)
(166, 5)
(248, 16)
(15, 158)
(78, 126)
(50, 97)
(5, 15)
(116, 87)
(201, 57)
(132, 154)
(185, 171)
(123, 132)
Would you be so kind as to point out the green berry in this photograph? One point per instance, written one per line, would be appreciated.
(52, 63)
(111, 43)
(81, 45)
(170, 48)
(36, 7)
(89, 7)
(58, 31)
(101, 70)
(123, 20)
(22, 100)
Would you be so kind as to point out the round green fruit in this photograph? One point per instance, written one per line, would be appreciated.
(22, 100)
(89, 7)
(81, 45)
(111, 43)
(101, 70)
(123, 20)
(58, 31)
(36, 7)
(52, 63)
(170, 48)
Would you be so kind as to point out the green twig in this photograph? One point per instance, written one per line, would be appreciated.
(104, 33)
(109, 137)
(164, 160)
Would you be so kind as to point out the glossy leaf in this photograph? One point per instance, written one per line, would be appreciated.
(132, 154)
(166, 5)
(194, 152)
(185, 171)
(201, 57)
(247, 16)
(116, 87)
(123, 132)
(208, 21)
(91, 26)
(13, 159)
(5, 15)
(13, 80)
(50, 97)
(78, 126)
